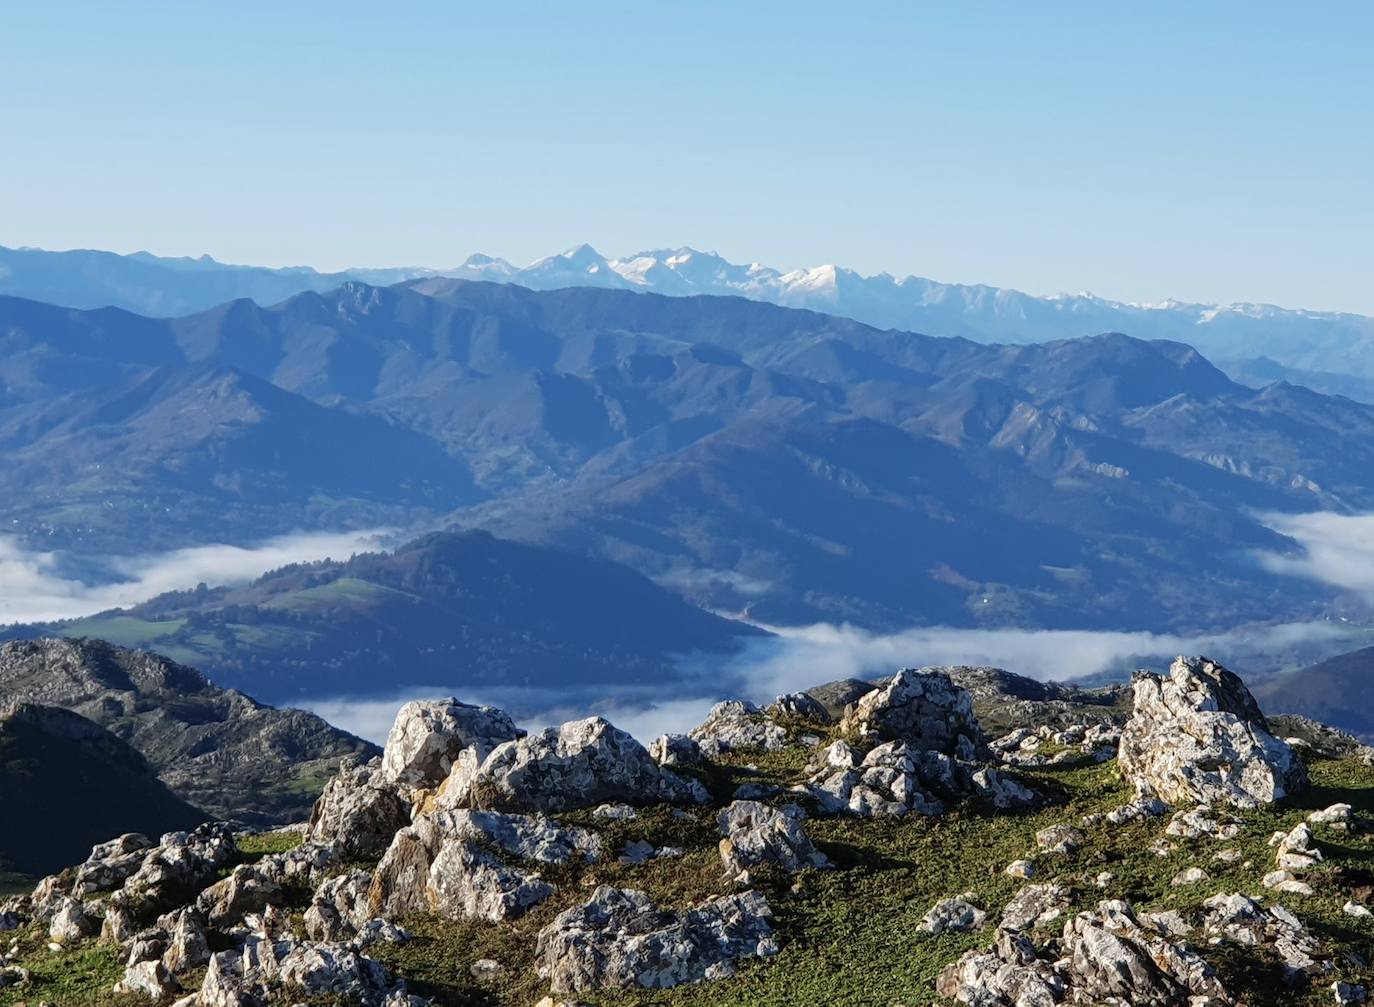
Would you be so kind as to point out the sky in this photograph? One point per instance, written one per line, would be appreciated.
(1207, 152)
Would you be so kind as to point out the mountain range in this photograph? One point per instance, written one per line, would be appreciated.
(777, 462)
(1255, 343)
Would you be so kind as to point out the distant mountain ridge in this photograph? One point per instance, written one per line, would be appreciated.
(1330, 351)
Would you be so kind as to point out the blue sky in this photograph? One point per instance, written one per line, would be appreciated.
(1215, 151)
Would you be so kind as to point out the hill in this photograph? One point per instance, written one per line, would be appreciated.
(451, 610)
(68, 784)
(1334, 691)
(214, 748)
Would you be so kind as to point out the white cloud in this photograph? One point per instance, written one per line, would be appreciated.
(371, 718)
(35, 588)
(801, 657)
(1336, 549)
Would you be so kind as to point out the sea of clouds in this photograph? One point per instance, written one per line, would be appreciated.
(1334, 549)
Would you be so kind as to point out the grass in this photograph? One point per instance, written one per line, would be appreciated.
(81, 975)
(125, 630)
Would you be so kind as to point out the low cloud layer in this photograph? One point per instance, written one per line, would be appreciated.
(35, 587)
(801, 657)
(1335, 549)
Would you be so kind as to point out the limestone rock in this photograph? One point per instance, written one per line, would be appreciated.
(801, 706)
(246, 890)
(339, 907)
(187, 945)
(246, 977)
(1006, 974)
(110, 864)
(1198, 737)
(70, 921)
(756, 834)
(359, 811)
(680, 750)
(619, 939)
(735, 726)
(1242, 920)
(177, 868)
(1034, 905)
(149, 979)
(1116, 960)
(473, 864)
(885, 783)
(578, 765)
(427, 736)
(1059, 838)
(957, 914)
(923, 708)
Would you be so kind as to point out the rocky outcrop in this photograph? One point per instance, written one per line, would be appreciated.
(427, 736)
(175, 870)
(581, 764)
(1107, 958)
(339, 907)
(1243, 921)
(735, 726)
(474, 864)
(957, 914)
(756, 834)
(247, 977)
(676, 751)
(247, 889)
(922, 708)
(800, 706)
(619, 939)
(895, 779)
(359, 811)
(1198, 737)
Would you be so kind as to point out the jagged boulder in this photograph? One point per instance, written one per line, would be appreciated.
(676, 750)
(1035, 905)
(957, 914)
(1241, 920)
(427, 736)
(149, 979)
(1106, 958)
(581, 764)
(756, 834)
(473, 864)
(894, 778)
(247, 889)
(359, 811)
(619, 939)
(922, 708)
(339, 907)
(736, 726)
(177, 868)
(249, 976)
(801, 706)
(303, 863)
(1198, 737)
(110, 864)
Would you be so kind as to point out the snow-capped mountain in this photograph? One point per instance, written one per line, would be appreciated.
(1257, 343)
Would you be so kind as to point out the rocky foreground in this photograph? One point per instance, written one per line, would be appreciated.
(856, 844)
